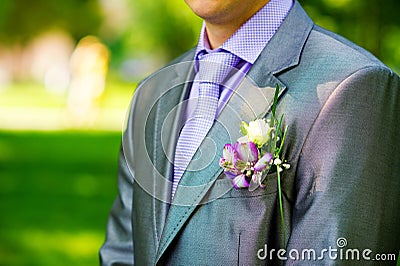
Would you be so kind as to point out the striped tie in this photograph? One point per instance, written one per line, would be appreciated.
(213, 69)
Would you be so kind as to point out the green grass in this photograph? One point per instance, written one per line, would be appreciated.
(23, 94)
(56, 189)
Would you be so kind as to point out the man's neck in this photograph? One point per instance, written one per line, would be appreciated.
(217, 35)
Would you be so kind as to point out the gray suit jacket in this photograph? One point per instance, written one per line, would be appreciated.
(342, 107)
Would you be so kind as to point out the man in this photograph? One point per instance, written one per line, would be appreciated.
(341, 106)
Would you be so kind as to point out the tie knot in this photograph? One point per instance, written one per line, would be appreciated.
(215, 67)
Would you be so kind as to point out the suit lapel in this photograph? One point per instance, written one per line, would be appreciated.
(155, 114)
(252, 99)
(169, 112)
(247, 102)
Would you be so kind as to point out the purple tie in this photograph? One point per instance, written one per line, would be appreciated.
(213, 69)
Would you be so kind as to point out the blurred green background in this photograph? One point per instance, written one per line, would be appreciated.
(67, 72)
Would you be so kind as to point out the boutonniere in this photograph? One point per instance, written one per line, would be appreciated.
(257, 153)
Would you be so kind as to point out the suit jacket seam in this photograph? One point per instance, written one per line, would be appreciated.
(154, 160)
(180, 220)
(342, 40)
(191, 206)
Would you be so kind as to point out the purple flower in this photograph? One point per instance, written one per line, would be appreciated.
(247, 152)
(241, 163)
(264, 161)
(240, 181)
(229, 160)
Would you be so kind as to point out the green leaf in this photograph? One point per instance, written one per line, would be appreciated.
(278, 151)
(281, 207)
(273, 108)
(244, 128)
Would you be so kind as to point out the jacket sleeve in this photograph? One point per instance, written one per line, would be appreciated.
(118, 247)
(348, 174)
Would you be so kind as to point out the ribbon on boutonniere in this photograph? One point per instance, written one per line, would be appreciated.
(258, 152)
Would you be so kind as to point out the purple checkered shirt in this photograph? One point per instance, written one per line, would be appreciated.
(247, 44)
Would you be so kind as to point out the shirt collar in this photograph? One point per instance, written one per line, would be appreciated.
(250, 39)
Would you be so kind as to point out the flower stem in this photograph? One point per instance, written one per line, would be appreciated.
(281, 208)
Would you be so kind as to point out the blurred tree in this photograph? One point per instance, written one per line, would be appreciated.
(372, 24)
(21, 20)
(168, 27)
(164, 29)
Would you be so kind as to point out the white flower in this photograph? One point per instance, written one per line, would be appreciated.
(277, 161)
(258, 132)
(243, 139)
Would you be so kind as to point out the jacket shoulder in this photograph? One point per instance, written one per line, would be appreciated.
(339, 50)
